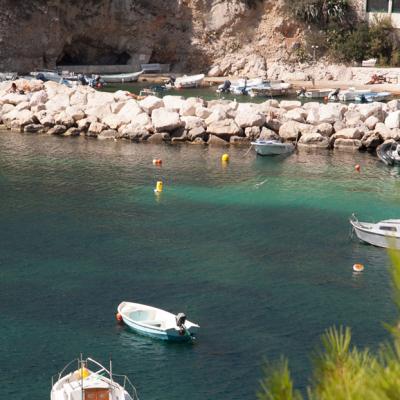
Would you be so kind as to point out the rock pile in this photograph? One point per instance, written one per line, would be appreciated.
(53, 108)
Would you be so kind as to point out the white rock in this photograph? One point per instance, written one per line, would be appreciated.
(393, 120)
(75, 113)
(371, 122)
(130, 109)
(203, 112)
(39, 97)
(14, 99)
(218, 114)
(122, 95)
(113, 121)
(225, 127)
(164, 120)
(151, 103)
(289, 104)
(193, 122)
(291, 129)
(348, 133)
(58, 103)
(251, 118)
(23, 106)
(296, 114)
(314, 140)
(332, 112)
(142, 120)
(393, 105)
(373, 109)
(313, 116)
(78, 99)
(99, 112)
(173, 103)
(96, 128)
(325, 129)
(100, 99)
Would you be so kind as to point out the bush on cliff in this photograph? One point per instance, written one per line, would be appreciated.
(342, 371)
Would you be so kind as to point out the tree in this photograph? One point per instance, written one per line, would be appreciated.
(343, 372)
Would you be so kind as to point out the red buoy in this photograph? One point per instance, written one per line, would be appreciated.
(157, 161)
(118, 316)
(357, 168)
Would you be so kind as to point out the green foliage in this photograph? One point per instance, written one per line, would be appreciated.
(343, 372)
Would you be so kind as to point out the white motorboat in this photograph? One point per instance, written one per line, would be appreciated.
(272, 147)
(382, 234)
(314, 93)
(269, 89)
(242, 86)
(389, 153)
(157, 323)
(352, 93)
(122, 78)
(373, 96)
(89, 380)
(189, 81)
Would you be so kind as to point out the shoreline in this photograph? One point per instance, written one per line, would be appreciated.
(52, 108)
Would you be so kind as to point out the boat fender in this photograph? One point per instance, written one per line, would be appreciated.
(118, 316)
(358, 268)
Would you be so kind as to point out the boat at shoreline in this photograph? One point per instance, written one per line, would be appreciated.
(191, 81)
(157, 323)
(122, 78)
(272, 147)
(373, 96)
(384, 234)
(351, 94)
(389, 153)
(91, 380)
(314, 93)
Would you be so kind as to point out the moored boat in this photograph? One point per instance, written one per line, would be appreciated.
(382, 234)
(272, 147)
(352, 93)
(191, 81)
(122, 78)
(157, 323)
(389, 153)
(314, 93)
(91, 380)
(373, 96)
(269, 89)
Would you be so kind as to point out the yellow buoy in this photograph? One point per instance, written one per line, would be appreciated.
(83, 373)
(225, 157)
(358, 268)
(159, 187)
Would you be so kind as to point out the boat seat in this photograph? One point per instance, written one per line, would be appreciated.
(152, 322)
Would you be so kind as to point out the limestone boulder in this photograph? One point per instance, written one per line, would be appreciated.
(133, 132)
(151, 103)
(353, 118)
(315, 140)
(96, 98)
(144, 120)
(252, 132)
(114, 121)
(273, 124)
(393, 105)
(192, 122)
(296, 114)
(37, 98)
(371, 122)
(374, 109)
(14, 99)
(203, 112)
(107, 134)
(78, 99)
(216, 141)
(122, 95)
(130, 110)
(247, 119)
(96, 128)
(392, 121)
(164, 120)
(34, 128)
(325, 129)
(224, 128)
(331, 112)
(268, 134)
(371, 140)
(98, 112)
(349, 133)
(158, 137)
(72, 132)
(173, 103)
(195, 133)
(239, 140)
(313, 116)
(75, 112)
(83, 124)
(64, 119)
(290, 104)
(347, 144)
(58, 103)
(291, 130)
(57, 130)
(23, 106)
(218, 114)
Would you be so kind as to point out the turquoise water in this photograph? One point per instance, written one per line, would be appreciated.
(257, 252)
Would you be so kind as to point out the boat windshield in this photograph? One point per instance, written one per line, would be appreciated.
(388, 228)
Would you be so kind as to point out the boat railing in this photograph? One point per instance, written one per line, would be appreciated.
(62, 373)
(125, 382)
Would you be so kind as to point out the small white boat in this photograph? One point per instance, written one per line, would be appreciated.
(242, 86)
(189, 81)
(352, 93)
(89, 380)
(314, 93)
(121, 78)
(373, 96)
(272, 147)
(382, 234)
(157, 323)
(269, 89)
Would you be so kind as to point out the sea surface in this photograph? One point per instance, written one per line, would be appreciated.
(257, 251)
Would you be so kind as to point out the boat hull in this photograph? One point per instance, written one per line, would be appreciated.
(121, 78)
(273, 149)
(375, 239)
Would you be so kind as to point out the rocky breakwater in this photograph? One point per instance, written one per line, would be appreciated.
(51, 108)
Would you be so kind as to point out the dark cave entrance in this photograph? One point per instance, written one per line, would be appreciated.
(83, 51)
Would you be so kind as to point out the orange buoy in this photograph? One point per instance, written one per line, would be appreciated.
(157, 161)
(358, 268)
(357, 167)
(118, 316)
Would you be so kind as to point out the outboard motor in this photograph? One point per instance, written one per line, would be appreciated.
(225, 88)
(40, 77)
(180, 323)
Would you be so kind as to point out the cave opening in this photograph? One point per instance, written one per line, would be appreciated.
(88, 52)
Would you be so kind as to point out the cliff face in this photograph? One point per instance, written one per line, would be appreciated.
(240, 36)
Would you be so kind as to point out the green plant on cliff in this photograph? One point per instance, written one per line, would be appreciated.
(342, 371)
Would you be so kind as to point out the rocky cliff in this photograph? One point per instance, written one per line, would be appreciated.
(237, 36)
